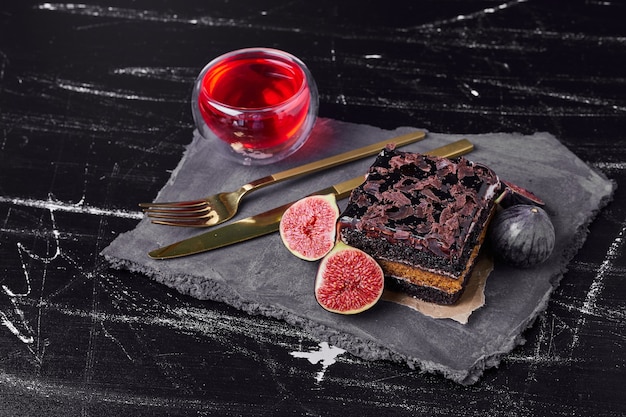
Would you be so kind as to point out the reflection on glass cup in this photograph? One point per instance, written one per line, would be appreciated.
(260, 103)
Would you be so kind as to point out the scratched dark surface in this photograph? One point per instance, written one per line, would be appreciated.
(94, 115)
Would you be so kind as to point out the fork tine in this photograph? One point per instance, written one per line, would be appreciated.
(174, 215)
(184, 216)
(190, 223)
(177, 211)
(175, 204)
(196, 213)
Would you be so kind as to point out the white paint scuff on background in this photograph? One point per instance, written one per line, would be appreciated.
(326, 355)
(589, 306)
(55, 205)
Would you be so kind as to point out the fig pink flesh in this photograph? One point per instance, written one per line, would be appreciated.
(349, 281)
(308, 227)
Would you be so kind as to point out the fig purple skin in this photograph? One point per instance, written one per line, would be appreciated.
(522, 235)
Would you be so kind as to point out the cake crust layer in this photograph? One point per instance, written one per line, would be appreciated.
(428, 285)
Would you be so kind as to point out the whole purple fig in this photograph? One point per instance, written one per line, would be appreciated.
(522, 235)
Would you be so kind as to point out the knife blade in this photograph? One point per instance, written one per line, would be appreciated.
(267, 222)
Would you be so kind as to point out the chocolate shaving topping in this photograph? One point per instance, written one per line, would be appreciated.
(423, 202)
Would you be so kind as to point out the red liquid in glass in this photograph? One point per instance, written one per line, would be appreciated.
(259, 103)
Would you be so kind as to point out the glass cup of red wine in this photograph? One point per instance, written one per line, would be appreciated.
(258, 105)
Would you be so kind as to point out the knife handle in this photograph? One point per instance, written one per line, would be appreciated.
(452, 150)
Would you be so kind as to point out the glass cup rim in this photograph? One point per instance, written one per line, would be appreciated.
(248, 52)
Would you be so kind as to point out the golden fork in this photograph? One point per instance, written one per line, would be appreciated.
(221, 207)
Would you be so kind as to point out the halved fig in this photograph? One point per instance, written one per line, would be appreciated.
(348, 281)
(308, 227)
(514, 194)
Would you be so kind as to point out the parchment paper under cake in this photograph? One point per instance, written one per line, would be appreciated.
(261, 277)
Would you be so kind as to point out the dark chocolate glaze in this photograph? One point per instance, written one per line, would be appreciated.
(420, 210)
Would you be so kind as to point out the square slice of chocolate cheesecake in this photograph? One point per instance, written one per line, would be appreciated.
(423, 219)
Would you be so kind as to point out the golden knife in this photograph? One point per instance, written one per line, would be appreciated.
(267, 222)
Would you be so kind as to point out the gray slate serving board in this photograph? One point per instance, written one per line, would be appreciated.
(261, 277)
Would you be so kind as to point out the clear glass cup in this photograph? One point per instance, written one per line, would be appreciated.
(258, 105)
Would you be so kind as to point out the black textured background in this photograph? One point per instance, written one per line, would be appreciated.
(94, 115)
